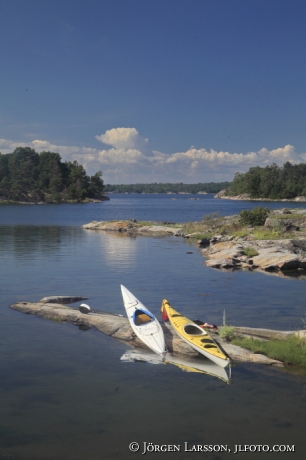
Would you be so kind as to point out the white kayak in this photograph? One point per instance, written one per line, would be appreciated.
(144, 323)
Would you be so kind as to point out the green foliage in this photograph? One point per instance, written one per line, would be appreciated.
(240, 233)
(227, 332)
(250, 252)
(267, 235)
(28, 176)
(290, 351)
(272, 182)
(293, 215)
(255, 216)
(210, 187)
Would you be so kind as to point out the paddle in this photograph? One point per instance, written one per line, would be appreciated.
(84, 308)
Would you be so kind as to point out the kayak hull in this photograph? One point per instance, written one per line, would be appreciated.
(143, 322)
(195, 336)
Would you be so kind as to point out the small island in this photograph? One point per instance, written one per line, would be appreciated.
(271, 183)
(31, 178)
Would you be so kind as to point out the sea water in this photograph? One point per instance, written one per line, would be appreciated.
(65, 394)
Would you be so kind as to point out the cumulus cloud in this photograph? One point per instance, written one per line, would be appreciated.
(127, 139)
(129, 159)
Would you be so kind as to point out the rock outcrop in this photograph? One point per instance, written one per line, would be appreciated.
(269, 255)
(62, 299)
(132, 226)
(118, 327)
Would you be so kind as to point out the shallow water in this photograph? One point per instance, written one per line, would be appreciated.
(65, 394)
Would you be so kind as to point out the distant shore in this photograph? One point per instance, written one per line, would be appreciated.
(87, 200)
(246, 197)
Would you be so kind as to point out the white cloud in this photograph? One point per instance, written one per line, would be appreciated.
(130, 160)
(125, 138)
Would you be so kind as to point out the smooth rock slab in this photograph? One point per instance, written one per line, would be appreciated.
(273, 255)
(276, 261)
(110, 324)
(131, 227)
(119, 328)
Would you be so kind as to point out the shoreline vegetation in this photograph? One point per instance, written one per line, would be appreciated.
(27, 177)
(275, 183)
(168, 188)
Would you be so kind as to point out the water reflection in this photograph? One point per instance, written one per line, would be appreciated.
(27, 241)
(289, 274)
(199, 365)
(119, 249)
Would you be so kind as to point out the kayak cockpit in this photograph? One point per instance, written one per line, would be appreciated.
(141, 317)
(193, 329)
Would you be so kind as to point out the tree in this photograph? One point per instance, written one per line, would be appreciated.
(28, 176)
(96, 185)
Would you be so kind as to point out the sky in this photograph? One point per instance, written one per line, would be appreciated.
(155, 90)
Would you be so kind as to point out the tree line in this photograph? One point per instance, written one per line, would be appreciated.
(274, 182)
(210, 187)
(26, 175)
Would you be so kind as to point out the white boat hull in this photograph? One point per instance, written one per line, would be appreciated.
(143, 322)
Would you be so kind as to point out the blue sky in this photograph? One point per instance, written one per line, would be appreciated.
(155, 91)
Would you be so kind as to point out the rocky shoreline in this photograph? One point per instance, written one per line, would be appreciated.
(133, 227)
(118, 327)
(272, 255)
(278, 256)
(246, 197)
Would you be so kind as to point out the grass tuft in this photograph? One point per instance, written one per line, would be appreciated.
(291, 350)
(250, 252)
(227, 332)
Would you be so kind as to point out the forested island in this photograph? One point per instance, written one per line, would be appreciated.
(211, 187)
(31, 177)
(272, 182)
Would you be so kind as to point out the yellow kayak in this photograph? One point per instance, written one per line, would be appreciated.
(195, 336)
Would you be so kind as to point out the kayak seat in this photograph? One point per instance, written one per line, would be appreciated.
(141, 318)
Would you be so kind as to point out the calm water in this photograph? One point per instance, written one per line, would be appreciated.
(64, 393)
(161, 207)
